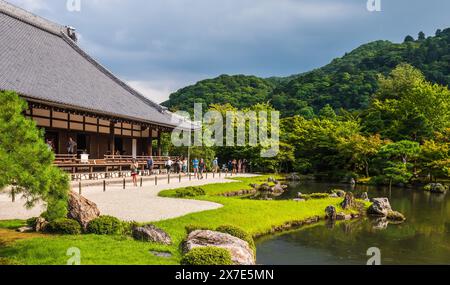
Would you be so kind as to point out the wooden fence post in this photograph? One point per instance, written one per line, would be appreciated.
(124, 183)
(104, 185)
(79, 187)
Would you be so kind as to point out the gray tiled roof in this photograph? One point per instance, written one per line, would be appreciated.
(39, 60)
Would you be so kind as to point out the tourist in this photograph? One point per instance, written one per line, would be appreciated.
(244, 166)
(169, 164)
(177, 166)
(50, 145)
(184, 166)
(230, 166)
(195, 163)
(134, 171)
(239, 166)
(234, 166)
(215, 165)
(150, 163)
(201, 168)
(71, 145)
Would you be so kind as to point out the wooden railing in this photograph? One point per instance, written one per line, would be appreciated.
(109, 164)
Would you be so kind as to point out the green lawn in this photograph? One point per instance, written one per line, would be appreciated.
(256, 217)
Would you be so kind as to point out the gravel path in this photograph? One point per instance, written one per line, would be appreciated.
(132, 204)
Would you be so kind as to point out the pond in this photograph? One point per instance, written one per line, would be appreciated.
(423, 239)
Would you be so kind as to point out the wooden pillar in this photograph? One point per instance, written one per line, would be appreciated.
(150, 142)
(112, 138)
(159, 144)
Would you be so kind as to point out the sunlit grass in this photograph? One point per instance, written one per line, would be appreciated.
(256, 217)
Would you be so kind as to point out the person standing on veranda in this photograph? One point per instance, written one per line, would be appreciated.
(71, 145)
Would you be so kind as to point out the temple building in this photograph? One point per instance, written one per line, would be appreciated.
(71, 95)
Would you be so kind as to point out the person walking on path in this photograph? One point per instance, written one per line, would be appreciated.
(201, 168)
(215, 165)
(239, 166)
(195, 163)
(150, 165)
(185, 165)
(134, 171)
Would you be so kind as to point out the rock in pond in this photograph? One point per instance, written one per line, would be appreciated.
(339, 193)
(343, 217)
(82, 210)
(436, 188)
(365, 197)
(241, 253)
(380, 207)
(395, 216)
(150, 233)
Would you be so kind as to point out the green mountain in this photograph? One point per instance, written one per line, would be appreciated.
(347, 82)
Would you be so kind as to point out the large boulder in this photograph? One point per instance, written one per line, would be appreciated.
(340, 193)
(40, 224)
(380, 207)
(241, 253)
(82, 210)
(150, 233)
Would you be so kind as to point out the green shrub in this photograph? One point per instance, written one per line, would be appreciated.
(191, 228)
(239, 233)
(190, 192)
(207, 256)
(31, 222)
(127, 227)
(105, 225)
(64, 226)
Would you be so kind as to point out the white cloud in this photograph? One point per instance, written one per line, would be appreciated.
(31, 5)
(157, 91)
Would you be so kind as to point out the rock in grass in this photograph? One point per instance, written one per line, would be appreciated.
(241, 253)
(380, 207)
(436, 188)
(25, 230)
(150, 233)
(343, 217)
(349, 201)
(82, 210)
(331, 213)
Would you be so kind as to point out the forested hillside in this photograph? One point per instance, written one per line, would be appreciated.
(346, 82)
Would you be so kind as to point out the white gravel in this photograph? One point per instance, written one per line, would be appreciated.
(132, 204)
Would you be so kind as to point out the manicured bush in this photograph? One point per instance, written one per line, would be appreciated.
(190, 192)
(239, 233)
(207, 256)
(127, 227)
(105, 225)
(64, 226)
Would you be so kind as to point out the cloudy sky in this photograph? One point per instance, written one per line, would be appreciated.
(159, 46)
